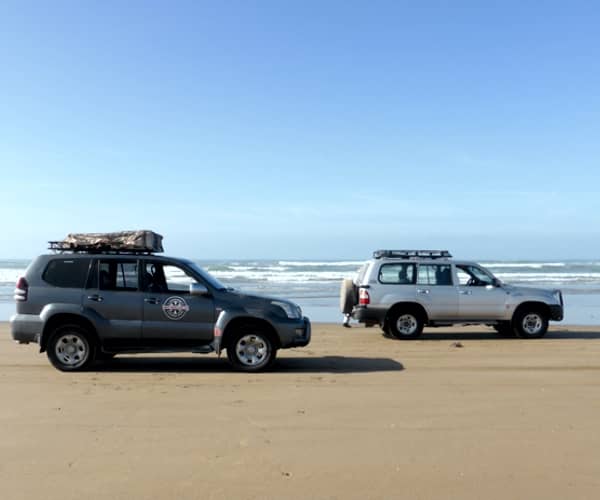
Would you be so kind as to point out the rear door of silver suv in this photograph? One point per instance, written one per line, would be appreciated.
(436, 292)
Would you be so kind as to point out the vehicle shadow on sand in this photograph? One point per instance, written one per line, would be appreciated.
(313, 364)
(491, 335)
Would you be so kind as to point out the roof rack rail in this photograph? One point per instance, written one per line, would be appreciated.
(412, 254)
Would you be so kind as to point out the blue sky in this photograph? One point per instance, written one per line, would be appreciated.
(303, 129)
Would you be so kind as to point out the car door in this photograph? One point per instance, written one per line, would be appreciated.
(436, 292)
(172, 317)
(478, 297)
(113, 294)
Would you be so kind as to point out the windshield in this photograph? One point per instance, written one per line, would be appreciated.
(211, 280)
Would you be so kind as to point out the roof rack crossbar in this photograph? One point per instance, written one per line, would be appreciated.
(412, 254)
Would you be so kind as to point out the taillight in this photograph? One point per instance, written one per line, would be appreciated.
(363, 297)
(21, 289)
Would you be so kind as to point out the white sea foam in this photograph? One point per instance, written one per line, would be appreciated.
(343, 263)
(10, 276)
(530, 265)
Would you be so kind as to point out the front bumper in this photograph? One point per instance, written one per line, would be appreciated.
(26, 328)
(302, 334)
(557, 312)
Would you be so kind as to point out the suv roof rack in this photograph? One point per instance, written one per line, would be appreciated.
(412, 254)
(122, 242)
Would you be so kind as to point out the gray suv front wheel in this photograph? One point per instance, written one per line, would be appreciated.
(251, 350)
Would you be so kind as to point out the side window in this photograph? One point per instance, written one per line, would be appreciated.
(434, 274)
(67, 273)
(165, 278)
(118, 275)
(463, 276)
(476, 276)
(397, 274)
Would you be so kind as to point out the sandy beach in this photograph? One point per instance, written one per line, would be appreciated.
(353, 416)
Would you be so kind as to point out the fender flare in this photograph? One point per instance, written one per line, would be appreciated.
(51, 311)
(225, 317)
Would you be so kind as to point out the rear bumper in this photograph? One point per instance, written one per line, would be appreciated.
(364, 314)
(556, 313)
(26, 328)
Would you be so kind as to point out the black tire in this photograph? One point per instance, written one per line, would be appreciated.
(70, 348)
(251, 349)
(348, 296)
(530, 323)
(505, 329)
(405, 324)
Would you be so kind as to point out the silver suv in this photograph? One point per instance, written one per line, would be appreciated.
(405, 290)
(89, 304)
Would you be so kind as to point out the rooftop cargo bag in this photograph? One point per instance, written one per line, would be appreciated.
(126, 241)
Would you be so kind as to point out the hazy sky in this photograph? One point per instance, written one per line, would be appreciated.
(298, 129)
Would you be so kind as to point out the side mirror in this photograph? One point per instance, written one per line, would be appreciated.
(496, 283)
(198, 290)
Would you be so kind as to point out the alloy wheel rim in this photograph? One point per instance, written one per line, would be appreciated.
(252, 350)
(532, 324)
(71, 350)
(407, 324)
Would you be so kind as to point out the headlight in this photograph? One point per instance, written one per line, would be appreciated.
(291, 310)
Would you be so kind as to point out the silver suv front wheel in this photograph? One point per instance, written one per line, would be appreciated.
(530, 323)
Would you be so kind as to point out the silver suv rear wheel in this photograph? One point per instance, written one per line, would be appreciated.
(405, 325)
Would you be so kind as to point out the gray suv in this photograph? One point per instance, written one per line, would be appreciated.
(86, 306)
(405, 290)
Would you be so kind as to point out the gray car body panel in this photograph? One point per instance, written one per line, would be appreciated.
(122, 316)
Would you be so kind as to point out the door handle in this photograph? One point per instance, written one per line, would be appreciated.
(95, 298)
(151, 300)
(423, 290)
(465, 292)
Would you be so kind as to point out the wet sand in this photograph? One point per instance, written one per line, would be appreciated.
(352, 416)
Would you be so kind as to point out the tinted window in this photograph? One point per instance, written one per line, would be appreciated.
(434, 274)
(397, 274)
(118, 275)
(165, 278)
(67, 273)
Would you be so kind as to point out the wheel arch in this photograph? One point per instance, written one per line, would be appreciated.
(406, 306)
(240, 321)
(533, 305)
(65, 318)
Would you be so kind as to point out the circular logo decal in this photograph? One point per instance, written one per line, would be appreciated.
(175, 308)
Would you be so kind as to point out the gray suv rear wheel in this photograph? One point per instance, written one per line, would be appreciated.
(70, 348)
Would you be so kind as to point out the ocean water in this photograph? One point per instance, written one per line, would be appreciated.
(315, 284)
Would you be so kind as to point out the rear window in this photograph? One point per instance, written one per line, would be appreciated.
(67, 273)
(397, 274)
